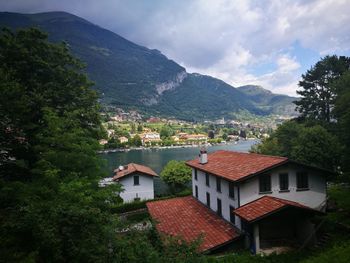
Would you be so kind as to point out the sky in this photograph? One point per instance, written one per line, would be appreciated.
(267, 43)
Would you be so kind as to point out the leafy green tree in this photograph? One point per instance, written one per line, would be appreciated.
(176, 174)
(318, 94)
(317, 147)
(136, 141)
(139, 128)
(166, 132)
(310, 145)
(342, 113)
(50, 204)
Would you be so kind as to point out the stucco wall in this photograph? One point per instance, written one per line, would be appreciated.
(313, 197)
(226, 201)
(145, 190)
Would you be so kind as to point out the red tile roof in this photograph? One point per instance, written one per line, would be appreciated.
(264, 206)
(133, 168)
(236, 165)
(188, 218)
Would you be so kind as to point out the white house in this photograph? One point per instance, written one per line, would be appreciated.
(268, 200)
(137, 182)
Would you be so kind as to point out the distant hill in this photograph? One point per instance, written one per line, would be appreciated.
(268, 101)
(135, 77)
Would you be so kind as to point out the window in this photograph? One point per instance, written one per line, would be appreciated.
(231, 190)
(136, 180)
(196, 191)
(195, 174)
(218, 184)
(284, 182)
(265, 183)
(232, 215)
(219, 210)
(208, 199)
(207, 183)
(302, 181)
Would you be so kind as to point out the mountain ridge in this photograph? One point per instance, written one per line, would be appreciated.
(135, 77)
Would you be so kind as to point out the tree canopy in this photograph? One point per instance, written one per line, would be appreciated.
(50, 204)
(176, 174)
(318, 94)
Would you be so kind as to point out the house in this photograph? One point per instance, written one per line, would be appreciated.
(149, 137)
(123, 139)
(103, 142)
(137, 182)
(268, 201)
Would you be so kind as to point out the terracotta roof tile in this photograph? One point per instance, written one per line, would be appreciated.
(236, 165)
(188, 218)
(264, 206)
(133, 168)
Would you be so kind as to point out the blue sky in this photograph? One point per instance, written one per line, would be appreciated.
(268, 43)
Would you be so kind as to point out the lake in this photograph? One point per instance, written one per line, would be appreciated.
(158, 158)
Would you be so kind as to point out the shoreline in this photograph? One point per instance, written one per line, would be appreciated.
(106, 151)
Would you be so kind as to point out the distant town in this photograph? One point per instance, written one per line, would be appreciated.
(129, 129)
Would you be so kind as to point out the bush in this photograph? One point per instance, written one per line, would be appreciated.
(127, 207)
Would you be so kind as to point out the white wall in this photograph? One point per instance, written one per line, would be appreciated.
(313, 197)
(226, 201)
(145, 190)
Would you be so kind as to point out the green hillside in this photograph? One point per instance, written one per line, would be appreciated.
(268, 101)
(134, 77)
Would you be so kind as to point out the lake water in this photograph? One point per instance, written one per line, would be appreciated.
(158, 158)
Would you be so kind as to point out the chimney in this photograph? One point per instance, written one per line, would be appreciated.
(203, 156)
(121, 168)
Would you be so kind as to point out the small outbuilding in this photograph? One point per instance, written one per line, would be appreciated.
(137, 182)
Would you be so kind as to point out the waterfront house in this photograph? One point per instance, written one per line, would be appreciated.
(123, 139)
(137, 182)
(149, 137)
(264, 201)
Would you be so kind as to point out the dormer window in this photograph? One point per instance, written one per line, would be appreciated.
(265, 184)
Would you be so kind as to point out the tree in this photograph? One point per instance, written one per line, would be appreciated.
(211, 134)
(317, 94)
(176, 174)
(50, 204)
(166, 132)
(342, 113)
(136, 141)
(310, 145)
(139, 128)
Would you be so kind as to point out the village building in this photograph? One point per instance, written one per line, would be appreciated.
(266, 202)
(103, 142)
(137, 182)
(149, 137)
(110, 133)
(123, 139)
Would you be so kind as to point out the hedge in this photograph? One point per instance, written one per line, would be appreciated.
(127, 207)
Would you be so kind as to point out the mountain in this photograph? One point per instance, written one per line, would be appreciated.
(134, 77)
(268, 101)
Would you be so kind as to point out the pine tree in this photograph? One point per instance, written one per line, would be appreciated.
(317, 94)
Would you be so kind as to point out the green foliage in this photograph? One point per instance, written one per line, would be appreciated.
(310, 145)
(176, 174)
(166, 132)
(136, 141)
(339, 253)
(342, 113)
(50, 204)
(127, 207)
(318, 93)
